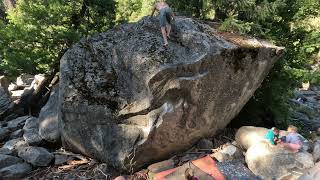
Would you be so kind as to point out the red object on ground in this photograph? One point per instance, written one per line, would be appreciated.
(209, 166)
(206, 164)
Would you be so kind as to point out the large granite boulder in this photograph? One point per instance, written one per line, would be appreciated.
(128, 101)
(247, 136)
(273, 162)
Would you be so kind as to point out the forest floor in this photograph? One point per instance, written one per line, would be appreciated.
(85, 168)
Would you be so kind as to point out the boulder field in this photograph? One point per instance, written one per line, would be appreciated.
(128, 101)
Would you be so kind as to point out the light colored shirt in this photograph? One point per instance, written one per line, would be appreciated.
(293, 138)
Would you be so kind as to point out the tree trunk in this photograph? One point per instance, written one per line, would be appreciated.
(2, 15)
(9, 4)
(76, 19)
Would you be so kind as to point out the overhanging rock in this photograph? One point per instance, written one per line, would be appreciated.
(126, 100)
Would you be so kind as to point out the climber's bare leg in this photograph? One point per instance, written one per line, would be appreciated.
(164, 35)
(168, 28)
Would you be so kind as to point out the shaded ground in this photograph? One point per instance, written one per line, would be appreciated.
(87, 168)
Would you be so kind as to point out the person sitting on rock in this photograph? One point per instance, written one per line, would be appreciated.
(292, 140)
(166, 17)
(273, 135)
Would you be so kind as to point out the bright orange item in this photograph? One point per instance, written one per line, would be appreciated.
(206, 164)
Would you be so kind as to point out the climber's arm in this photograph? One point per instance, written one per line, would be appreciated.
(153, 10)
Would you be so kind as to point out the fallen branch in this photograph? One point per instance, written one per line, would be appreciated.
(107, 176)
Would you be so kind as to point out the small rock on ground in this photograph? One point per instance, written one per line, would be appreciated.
(36, 156)
(17, 123)
(316, 151)
(15, 143)
(6, 151)
(60, 159)
(16, 134)
(4, 133)
(205, 144)
(31, 123)
(6, 160)
(32, 137)
(15, 171)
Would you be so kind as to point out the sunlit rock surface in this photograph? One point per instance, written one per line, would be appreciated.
(128, 101)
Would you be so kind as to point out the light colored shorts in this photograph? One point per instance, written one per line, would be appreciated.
(165, 16)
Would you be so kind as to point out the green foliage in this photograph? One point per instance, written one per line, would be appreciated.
(133, 10)
(293, 24)
(39, 31)
(35, 34)
(234, 25)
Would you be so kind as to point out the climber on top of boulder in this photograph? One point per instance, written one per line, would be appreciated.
(166, 17)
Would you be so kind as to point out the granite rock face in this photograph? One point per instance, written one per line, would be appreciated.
(49, 123)
(273, 162)
(5, 101)
(247, 136)
(128, 101)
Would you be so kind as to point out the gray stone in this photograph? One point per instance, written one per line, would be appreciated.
(36, 156)
(48, 117)
(4, 133)
(14, 144)
(6, 151)
(10, 117)
(306, 144)
(228, 152)
(38, 79)
(124, 96)
(16, 134)
(32, 137)
(311, 174)
(16, 171)
(3, 124)
(17, 94)
(316, 151)
(60, 159)
(17, 123)
(5, 101)
(6, 160)
(304, 158)
(268, 161)
(12, 87)
(22, 95)
(25, 79)
(205, 144)
(31, 123)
